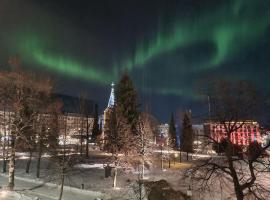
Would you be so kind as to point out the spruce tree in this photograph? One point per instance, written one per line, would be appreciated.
(127, 102)
(172, 133)
(95, 131)
(186, 138)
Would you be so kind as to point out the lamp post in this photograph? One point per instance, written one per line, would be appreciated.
(161, 152)
(189, 192)
(180, 155)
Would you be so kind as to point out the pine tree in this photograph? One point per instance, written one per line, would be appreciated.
(127, 102)
(172, 133)
(186, 139)
(95, 131)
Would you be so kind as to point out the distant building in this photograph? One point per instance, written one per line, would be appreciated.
(163, 131)
(71, 121)
(74, 120)
(199, 139)
(246, 133)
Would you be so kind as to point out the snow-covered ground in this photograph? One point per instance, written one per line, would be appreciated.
(90, 175)
(29, 189)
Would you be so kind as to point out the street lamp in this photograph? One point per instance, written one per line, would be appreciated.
(175, 156)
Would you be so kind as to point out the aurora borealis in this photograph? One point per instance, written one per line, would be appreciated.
(168, 46)
(226, 28)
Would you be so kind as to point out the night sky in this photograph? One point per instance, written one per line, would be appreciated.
(169, 47)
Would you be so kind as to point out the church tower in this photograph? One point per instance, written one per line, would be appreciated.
(112, 98)
(107, 113)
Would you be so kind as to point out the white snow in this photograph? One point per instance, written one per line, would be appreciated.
(90, 166)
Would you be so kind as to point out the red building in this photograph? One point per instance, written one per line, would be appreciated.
(244, 134)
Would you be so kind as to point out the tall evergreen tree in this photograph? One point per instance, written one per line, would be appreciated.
(186, 138)
(172, 133)
(127, 102)
(95, 131)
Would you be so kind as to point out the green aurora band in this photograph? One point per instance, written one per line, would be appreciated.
(231, 28)
(71, 68)
(33, 48)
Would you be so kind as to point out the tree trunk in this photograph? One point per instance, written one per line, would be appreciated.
(39, 159)
(140, 190)
(187, 155)
(180, 156)
(29, 162)
(87, 139)
(81, 144)
(63, 169)
(62, 184)
(239, 194)
(4, 144)
(4, 165)
(161, 159)
(87, 145)
(114, 177)
(169, 156)
(143, 169)
(12, 164)
(237, 187)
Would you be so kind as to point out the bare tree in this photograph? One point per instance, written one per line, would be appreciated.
(21, 90)
(64, 159)
(47, 130)
(144, 140)
(233, 105)
(5, 126)
(86, 124)
(82, 121)
(144, 145)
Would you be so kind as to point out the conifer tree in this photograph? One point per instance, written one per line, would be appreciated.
(127, 102)
(186, 139)
(172, 133)
(95, 131)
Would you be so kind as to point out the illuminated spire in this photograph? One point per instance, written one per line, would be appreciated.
(112, 98)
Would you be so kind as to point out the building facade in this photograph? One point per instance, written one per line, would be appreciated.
(199, 140)
(71, 122)
(243, 133)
